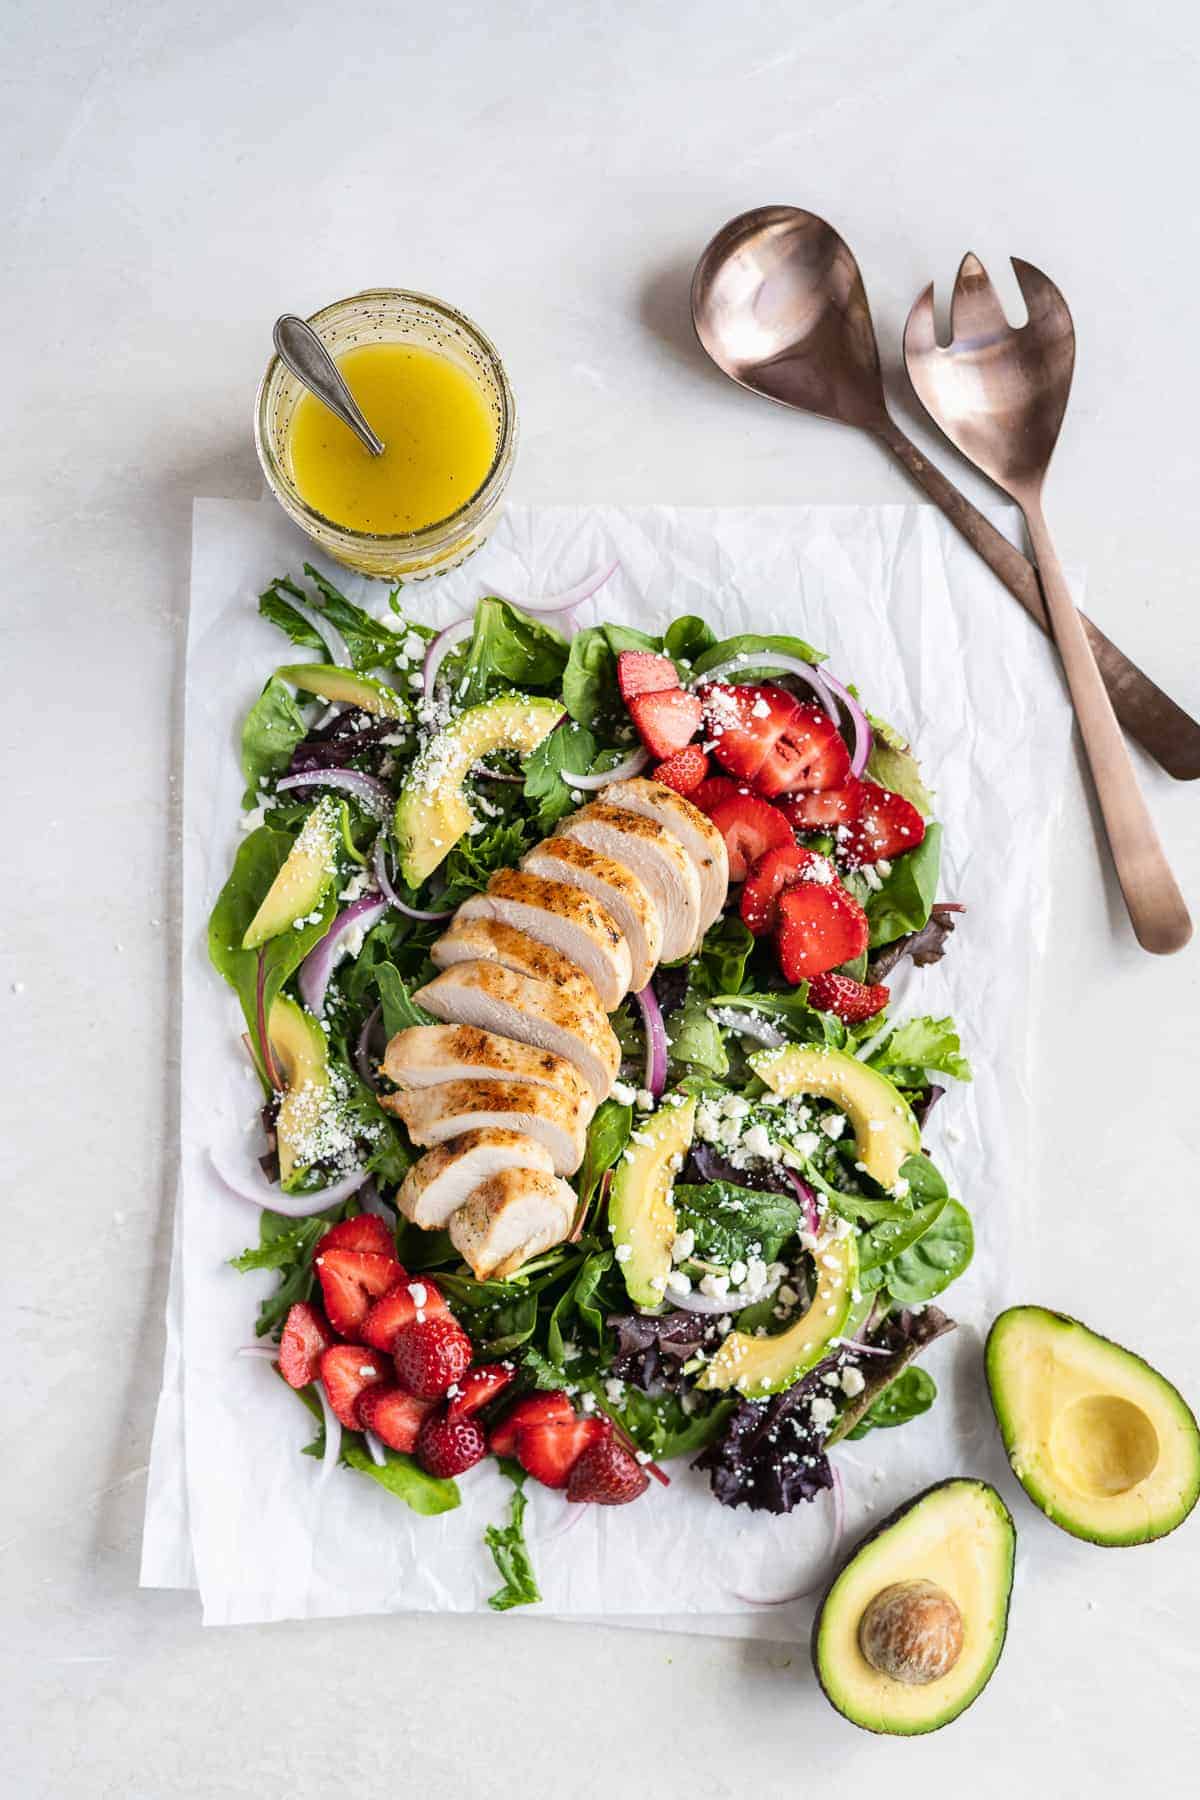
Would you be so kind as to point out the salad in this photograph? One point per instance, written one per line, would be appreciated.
(588, 1141)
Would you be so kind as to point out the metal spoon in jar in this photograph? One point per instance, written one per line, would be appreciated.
(301, 350)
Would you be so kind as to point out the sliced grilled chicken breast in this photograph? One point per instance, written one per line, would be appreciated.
(533, 1013)
(616, 888)
(437, 1186)
(698, 835)
(516, 1215)
(490, 940)
(433, 1114)
(658, 859)
(563, 917)
(425, 1055)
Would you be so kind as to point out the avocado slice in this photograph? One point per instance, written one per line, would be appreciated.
(1099, 1440)
(913, 1624)
(329, 682)
(641, 1217)
(885, 1131)
(302, 1057)
(432, 812)
(305, 877)
(758, 1366)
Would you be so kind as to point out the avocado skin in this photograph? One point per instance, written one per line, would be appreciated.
(863, 1543)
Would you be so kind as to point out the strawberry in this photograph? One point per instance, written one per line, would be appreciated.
(851, 1000)
(399, 1307)
(887, 824)
(809, 753)
(350, 1280)
(550, 1452)
(394, 1416)
(607, 1475)
(820, 927)
(709, 795)
(763, 735)
(535, 1409)
(666, 720)
(364, 1233)
(644, 672)
(431, 1355)
(448, 1447)
(750, 827)
(778, 869)
(306, 1333)
(347, 1371)
(825, 810)
(477, 1388)
(684, 771)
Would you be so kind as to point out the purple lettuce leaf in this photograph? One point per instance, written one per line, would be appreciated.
(925, 946)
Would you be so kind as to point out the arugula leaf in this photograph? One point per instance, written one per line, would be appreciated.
(570, 747)
(399, 1010)
(274, 726)
(508, 649)
(905, 900)
(607, 1136)
(694, 1040)
(893, 765)
(400, 1475)
(688, 638)
(371, 645)
(589, 682)
(937, 1259)
(510, 1553)
(286, 1245)
(734, 1223)
(259, 859)
(919, 1045)
(474, 860)
(746, 643)
(912, 1393)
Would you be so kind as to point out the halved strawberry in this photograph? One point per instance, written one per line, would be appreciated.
(820, 927)
(684, 771)
(823, 810)
(306, 1333)
(764, 735)
(347, 1371)
(750, 827)
(350, 1280)
(709, 795)
(852, 1001)
(607, 1474)
(394, 1416)
(666, 720)
(449, 1447)
(431, 1355)
(550, 1452)
(644, 672)
(536, 1409)
(886, 825)
(406, 1298)
(364, 1233)
(477, 1387)
(780, 868)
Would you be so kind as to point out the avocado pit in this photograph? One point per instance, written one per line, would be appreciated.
(1104, 1445)
(911, 1631)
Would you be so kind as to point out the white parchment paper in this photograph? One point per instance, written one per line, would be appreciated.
(936, 646)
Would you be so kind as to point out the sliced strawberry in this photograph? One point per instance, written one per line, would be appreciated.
(448, 1447)
(851, 1000)
(477, 1388)
(684, 771)
(431, 1355)
(666, 721)
(550, 1452)
(350, 1280)
(809, 752)
(644, 672)
(364, 1233)
(535, 1409)
(347, 1371)
(743, 722)
(780, 868)
(709, 795)
(394, 1416)
(825, 810)
(608, 1475)
(750, 827)
(399, 1307)
(820, 927)
(306, 1333)
(887, 824)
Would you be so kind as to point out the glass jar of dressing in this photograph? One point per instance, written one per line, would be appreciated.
(435, 391)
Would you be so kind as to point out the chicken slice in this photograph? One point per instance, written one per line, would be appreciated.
(433, 1114)
(658, 859)
(697, 833)
(489, 940)
(424, 1055)
(513, 1216)
(533, 1013)
(437, 1186)
(566, 919)
(616, 888)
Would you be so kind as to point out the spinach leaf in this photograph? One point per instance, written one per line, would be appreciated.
(371, 645)
(508, 649)
(905, 900)
(720, 967)
(608, 1134)
(694, 1040)
(935, 1260)
(911, 1394)
(400, 1475)
(577, 1299)
(879, 1246)
(500, 1316)
(919, 1045)
(893, 765)
(589, 683)
(746, 643)
(659, 1425)
(274, 726)
(688, 638)
(732, 1223)
(259, 859)
(510, 1553)
(399, 1010)
(571, 747)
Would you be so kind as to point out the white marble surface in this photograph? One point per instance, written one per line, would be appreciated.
(173, 177)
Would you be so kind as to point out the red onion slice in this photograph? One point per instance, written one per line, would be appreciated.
(362, 1049)
(712, 1305)
(656, 1040)
(375, 1449)
(333, 1436)
(372, 1201)
(255, 1187)
(329, 634)
(379, 864)
(440, 647)
(318, 965)
(858, 719)
(633, 764)
(264, 1043)
(808, 1200)
(771, 659)
(837, 1524)
(747, 1024)
(375, 795)
(570, 597)
(265, 1351)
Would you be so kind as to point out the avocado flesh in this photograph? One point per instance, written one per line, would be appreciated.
(304, 879)
(1099, 1440)
(885, 1131)
(329, 682)
(641, 1216)
(432, 812)
(301, 1055)
(959, 1535)
(756, 1366)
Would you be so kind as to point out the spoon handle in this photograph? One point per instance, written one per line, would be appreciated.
(1162, 728)
(305, 355)
(1156, 907)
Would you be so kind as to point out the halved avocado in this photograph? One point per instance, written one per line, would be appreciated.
(305, 877)
(759, 1366)
(885, 1131)
(329, 682)
(641, 1217)
(1099, 1440)
(926, 1594)
(432, 812)
(302, 1057)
